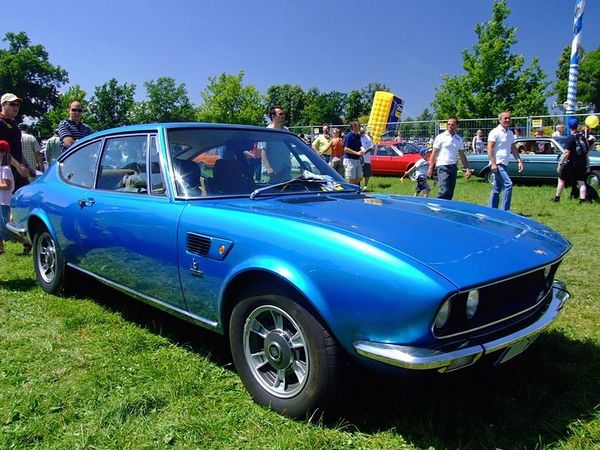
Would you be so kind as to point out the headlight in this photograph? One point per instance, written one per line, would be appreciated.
(472, 303)
(442, 315)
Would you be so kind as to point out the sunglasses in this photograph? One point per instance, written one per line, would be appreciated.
(76, 110)
(280, 114)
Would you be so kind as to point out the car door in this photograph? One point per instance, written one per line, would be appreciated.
(382, 159)
(128, 223)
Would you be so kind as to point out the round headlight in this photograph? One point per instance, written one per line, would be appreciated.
(472, 303)
(442, 315)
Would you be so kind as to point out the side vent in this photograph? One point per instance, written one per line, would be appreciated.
(197, 244)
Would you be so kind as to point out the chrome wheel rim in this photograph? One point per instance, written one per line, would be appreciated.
(46, 258)
(491, 177)
(593, 181)
(276, 351)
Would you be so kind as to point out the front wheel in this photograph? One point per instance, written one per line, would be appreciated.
(286, 359)
(490, 177)
(48, 262)
(593, 179)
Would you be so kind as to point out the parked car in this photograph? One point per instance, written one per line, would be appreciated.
(540, 157)
(393, 157)
(300, 276)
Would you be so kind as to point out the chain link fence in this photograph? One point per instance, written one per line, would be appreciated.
(422, 132)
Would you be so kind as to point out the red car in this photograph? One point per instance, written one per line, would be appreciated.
(393, 157)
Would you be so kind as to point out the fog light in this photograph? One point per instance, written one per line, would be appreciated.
(472, 303)
(442, 315)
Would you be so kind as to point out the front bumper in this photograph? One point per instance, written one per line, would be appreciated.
(17, 229)
(417, 358)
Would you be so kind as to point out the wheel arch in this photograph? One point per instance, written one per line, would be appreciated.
(37, 219)
(261, 281)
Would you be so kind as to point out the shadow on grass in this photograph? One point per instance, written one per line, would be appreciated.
(178, 331)
(21, 284)
(525, 403)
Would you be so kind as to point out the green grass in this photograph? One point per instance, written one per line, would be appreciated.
(104, 371)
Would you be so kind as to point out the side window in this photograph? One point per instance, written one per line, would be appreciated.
(123, 165)
(384, 150)
(157, 183)
(79, 167)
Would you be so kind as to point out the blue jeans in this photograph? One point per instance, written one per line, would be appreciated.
(502, 182)
(446, 179)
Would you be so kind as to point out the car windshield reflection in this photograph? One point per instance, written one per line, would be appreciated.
(219, 162)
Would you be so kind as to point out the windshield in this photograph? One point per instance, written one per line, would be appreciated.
(407, 148)
(215, 162)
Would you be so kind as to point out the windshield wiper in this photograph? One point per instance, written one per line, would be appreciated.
(307, 179)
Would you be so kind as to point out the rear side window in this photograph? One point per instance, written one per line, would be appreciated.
(79, 168)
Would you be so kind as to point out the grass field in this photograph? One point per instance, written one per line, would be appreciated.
(104, 371)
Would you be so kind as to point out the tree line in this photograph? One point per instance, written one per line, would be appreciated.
(494, 79)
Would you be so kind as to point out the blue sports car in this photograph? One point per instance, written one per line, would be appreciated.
(247, 232)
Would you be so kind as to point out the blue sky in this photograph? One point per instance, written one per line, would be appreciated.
(331, 45)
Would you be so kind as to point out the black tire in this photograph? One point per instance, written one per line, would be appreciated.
(593, 179)
(490, 177)
(49, 262)
(286, 359)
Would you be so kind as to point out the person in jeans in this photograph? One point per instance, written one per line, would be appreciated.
(447, 147)
(501, 143)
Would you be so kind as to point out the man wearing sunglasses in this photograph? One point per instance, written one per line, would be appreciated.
(10, 132)
(72, 129)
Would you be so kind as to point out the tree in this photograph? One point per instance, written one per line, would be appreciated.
(26, 71)
(494, 78)
(111, 105)
(291, 98)
(326, 107)
(166, 102)
(588, 81)
(354, 106)
(49, 122)
(226, 100)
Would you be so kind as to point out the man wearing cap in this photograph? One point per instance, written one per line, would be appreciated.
(31, 148)
(10, 133)
(72, 129)
(572, 167)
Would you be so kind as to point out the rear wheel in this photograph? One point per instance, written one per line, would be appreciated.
(48, 262)
(490, 177)
(286, 359)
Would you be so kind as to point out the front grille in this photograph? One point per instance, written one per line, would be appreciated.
(197, 244)
(501, 303)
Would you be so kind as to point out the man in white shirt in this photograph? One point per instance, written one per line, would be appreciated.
(447, 147)
(501, 143)
(367, 145)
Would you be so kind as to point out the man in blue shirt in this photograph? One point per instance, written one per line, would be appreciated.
(352, 153)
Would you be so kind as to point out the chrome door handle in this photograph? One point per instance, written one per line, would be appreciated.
(86, 202)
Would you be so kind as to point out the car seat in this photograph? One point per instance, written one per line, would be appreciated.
(230, 177)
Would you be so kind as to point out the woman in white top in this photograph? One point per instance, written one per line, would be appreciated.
(477, 143)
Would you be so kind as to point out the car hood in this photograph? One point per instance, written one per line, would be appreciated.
(460, 241)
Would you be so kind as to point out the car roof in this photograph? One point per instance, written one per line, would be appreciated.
(146, 127)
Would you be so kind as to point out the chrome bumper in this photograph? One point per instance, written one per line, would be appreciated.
(17, 229)
(417, 358)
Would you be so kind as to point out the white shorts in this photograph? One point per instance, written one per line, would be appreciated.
(352, 169)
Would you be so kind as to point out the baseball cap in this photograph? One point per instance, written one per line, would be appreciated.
(423, 151)
(4, 147)
(8, 97)
(573, 122)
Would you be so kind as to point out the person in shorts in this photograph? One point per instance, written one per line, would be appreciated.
(352, 154)
(421, 167)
